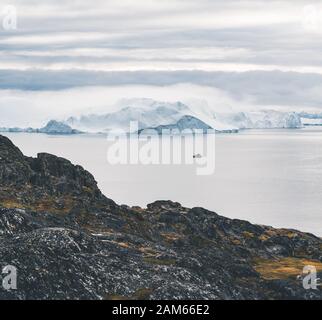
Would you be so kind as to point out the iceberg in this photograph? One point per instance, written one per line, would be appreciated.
(186, 123)
(159, 115)
(52, 127)
(149, 114)
(156, 114)
(56, 127)
(311, 119)
(267, 119)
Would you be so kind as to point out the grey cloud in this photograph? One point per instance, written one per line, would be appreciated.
(238, 24)
(269, 32)
(263, 88)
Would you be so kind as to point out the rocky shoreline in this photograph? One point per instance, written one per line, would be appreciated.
(68, 241)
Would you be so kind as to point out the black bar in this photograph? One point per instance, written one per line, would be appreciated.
(168, 309)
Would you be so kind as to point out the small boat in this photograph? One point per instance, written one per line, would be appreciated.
(197, 156)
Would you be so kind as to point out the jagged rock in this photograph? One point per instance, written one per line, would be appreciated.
(13, 167)
(94, 249)
(46, 182)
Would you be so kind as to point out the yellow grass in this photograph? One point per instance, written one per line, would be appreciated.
(283, 268)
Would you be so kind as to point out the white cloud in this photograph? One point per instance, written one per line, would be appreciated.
(230, 92)
(235, 47)
(240, 35)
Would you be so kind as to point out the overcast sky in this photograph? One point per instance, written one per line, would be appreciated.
(259, 52)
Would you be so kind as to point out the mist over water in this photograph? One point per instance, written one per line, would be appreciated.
(270, 177)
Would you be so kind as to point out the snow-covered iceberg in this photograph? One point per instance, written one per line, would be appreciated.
(149, 114)
(266, 119)
(156, 114)
(56, 127)
(187, 124)
(311, 119)
(52, 127)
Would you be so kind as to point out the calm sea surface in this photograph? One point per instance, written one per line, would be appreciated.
(271, 177)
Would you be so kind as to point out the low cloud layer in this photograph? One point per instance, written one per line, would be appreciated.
(275, 88)
(221, 92)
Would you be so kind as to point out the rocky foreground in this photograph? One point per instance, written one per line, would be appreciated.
(68, 241)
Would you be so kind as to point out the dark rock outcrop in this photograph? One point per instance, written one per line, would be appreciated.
(45, 182)
(68, 241)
